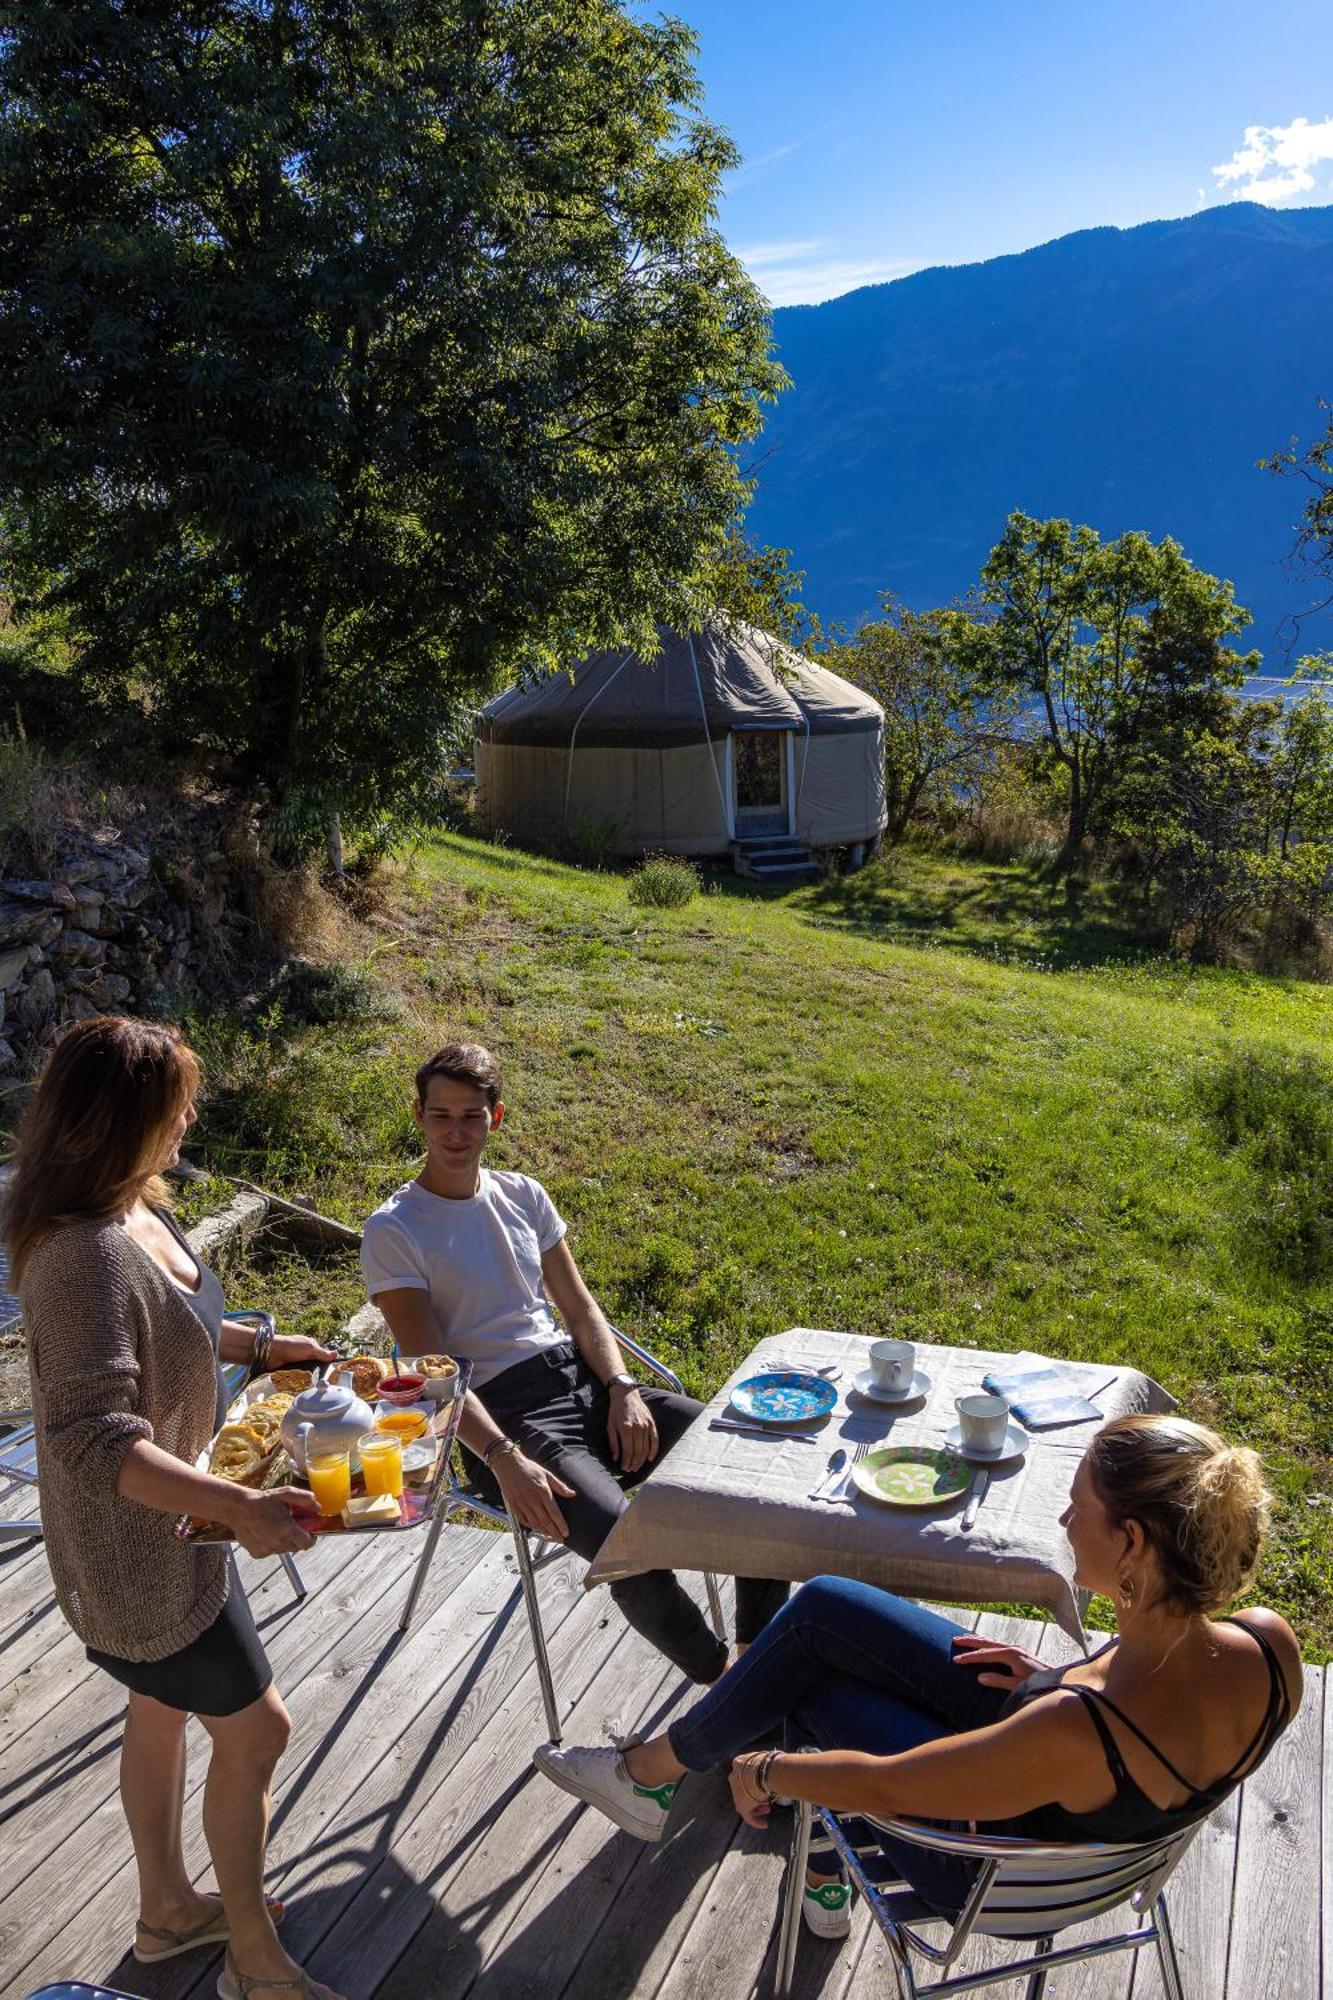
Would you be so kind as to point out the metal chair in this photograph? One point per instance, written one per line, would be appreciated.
(461, 1498)
(1024, 1890)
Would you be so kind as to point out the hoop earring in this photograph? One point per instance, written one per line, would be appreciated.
(1126, 1590)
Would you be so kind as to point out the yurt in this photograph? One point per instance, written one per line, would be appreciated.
(726, 740)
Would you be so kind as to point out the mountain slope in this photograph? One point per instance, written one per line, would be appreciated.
(1127, 378)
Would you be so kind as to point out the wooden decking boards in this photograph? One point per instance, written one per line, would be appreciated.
(422, 1856)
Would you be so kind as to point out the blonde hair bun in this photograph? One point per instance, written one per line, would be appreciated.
(1203, 1503)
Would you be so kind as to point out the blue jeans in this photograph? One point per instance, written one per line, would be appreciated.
(844, 1666)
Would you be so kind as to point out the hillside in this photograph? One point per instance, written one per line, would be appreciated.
(1126, 378)
(915, 1099)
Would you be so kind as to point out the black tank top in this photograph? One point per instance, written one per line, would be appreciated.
(1131, 1816)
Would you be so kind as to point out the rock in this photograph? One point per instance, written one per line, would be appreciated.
(74, 947)
(12, 964)
(88, 912)
(37, 1003)
(25, 923)
(7, 1055)
(111, 990)
(35, 892)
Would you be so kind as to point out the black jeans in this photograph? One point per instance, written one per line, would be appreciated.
(553, 1406)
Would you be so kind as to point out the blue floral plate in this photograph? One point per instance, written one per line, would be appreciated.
(783, 1396)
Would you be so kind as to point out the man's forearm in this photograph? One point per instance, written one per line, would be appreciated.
(595, 1342)
(477, 1427)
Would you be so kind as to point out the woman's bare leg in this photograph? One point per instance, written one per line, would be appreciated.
(152, 1791)
(246, 1748)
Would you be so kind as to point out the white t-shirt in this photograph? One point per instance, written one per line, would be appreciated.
(480, 1262)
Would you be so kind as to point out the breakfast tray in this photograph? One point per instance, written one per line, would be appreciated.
(415, 1509)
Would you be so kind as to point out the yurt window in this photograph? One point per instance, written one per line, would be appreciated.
(759, 760)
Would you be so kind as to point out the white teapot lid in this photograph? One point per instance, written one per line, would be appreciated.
(324, 1399)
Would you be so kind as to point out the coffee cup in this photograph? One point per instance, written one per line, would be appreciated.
(892, 1364)
(983, 1420)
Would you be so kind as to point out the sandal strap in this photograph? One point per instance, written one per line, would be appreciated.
(245, 1984)
(177, 1938)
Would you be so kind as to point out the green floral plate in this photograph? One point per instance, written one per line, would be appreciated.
(912, 1475)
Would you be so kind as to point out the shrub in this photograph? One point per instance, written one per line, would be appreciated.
(592, 843)
(663, 883)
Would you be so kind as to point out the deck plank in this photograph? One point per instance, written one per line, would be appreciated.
(422, 1856)
(1275, 1928)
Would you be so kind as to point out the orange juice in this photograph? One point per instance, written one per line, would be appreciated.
(402, 1424)
(382, 1463)
(330, 1479)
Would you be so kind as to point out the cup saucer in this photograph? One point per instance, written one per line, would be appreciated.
(1016, 1442)
(865, 1385)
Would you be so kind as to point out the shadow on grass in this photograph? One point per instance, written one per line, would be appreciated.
(995, 911)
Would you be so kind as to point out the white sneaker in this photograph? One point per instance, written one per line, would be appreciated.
(828, 1909)
(599, 1778)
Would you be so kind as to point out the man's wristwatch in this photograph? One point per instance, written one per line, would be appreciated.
(621, 1381)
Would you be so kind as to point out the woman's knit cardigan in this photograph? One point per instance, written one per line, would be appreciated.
(115, 1353)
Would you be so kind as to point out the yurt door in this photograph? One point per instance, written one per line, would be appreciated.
(759, 759)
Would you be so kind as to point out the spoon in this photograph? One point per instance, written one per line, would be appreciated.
(832, 1470)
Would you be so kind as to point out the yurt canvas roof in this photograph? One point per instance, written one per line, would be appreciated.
(729, 677)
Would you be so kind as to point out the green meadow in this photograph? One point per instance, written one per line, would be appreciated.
(933, 1098)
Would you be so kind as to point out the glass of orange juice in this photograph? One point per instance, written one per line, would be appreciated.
(382, 1463)
(330, 1477)
(402, 1424)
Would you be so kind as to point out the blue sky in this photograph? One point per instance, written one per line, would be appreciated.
(883, 135)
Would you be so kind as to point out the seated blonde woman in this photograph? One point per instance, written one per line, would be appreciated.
(915, 1717)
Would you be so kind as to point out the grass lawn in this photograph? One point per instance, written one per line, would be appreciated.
(929, 1099)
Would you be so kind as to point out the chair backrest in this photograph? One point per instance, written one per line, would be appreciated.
(1031, 1889)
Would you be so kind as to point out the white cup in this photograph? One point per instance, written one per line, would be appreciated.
(983, 1420)
(892, 1363)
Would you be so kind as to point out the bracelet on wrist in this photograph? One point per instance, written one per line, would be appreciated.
(503, 1445)
(761, 1773)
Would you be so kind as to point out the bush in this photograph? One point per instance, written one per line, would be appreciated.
(592, 843)
(664, 883)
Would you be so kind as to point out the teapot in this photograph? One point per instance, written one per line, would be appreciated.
(328, 1417)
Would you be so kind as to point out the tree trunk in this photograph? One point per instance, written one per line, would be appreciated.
(333, 842)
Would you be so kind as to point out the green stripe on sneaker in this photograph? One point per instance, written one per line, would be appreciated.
(662, 1793)
(832, 1896)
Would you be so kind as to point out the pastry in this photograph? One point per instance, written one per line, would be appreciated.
(293, 1380)
(362, 1372)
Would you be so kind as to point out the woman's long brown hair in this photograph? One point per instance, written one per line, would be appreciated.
(94, 1134)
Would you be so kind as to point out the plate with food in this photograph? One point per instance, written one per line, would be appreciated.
(783, 1396)
(912, 1475)
(362, 1373)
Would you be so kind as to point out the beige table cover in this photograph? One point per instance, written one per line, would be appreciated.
(740, 1506)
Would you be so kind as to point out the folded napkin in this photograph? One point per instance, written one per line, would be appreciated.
(1041, 1393)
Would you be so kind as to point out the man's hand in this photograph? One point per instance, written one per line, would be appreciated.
(296, 1350)
(530, 1493)
(1009, 1666)
(630, 1428)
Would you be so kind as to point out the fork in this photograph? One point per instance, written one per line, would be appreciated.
(844, 1486)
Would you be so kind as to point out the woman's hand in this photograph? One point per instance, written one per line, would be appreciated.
(296, 1350)
(748, 1800)
(1008, 1666)
(630, 1429)
(530, 1494)
(264, 1523)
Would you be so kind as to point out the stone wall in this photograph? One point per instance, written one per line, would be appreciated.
(121, 922)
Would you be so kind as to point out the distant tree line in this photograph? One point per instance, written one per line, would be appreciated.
(1087, 693)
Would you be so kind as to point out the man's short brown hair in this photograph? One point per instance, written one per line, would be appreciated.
(462, 1062)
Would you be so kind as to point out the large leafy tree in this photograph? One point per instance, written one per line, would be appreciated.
(354, 350)
(1109, 642)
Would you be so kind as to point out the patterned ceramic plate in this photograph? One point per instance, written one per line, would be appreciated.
(912, 1475)
(783, 1396)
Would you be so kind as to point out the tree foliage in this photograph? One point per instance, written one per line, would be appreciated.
(1111, 642)
(942, 719)
(356, 351)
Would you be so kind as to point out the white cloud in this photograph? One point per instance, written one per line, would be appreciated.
(749, 170)
(1275, 162)
(804, 273)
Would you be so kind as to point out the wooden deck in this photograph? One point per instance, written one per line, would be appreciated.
(422, 1857)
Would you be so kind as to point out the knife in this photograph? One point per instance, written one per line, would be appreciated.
(759, 1431)
(980, 1482)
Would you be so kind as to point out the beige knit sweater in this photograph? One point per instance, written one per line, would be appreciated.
(116, 1352)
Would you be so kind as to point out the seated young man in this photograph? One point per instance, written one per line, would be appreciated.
(468, 1261)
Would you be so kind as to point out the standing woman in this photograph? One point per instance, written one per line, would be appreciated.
(125, 1330)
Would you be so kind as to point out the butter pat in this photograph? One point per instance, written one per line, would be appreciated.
(371, 1510)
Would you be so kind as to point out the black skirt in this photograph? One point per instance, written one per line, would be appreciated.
(219, 1673)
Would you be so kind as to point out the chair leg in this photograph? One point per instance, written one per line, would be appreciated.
(1037, 1982)
(528, 1582)
(1172, 1983)
(294, 1577)
(715, 1613)
(791, 1901)
(423, 1564)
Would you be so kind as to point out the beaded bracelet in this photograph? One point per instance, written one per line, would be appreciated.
(762, 1770)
